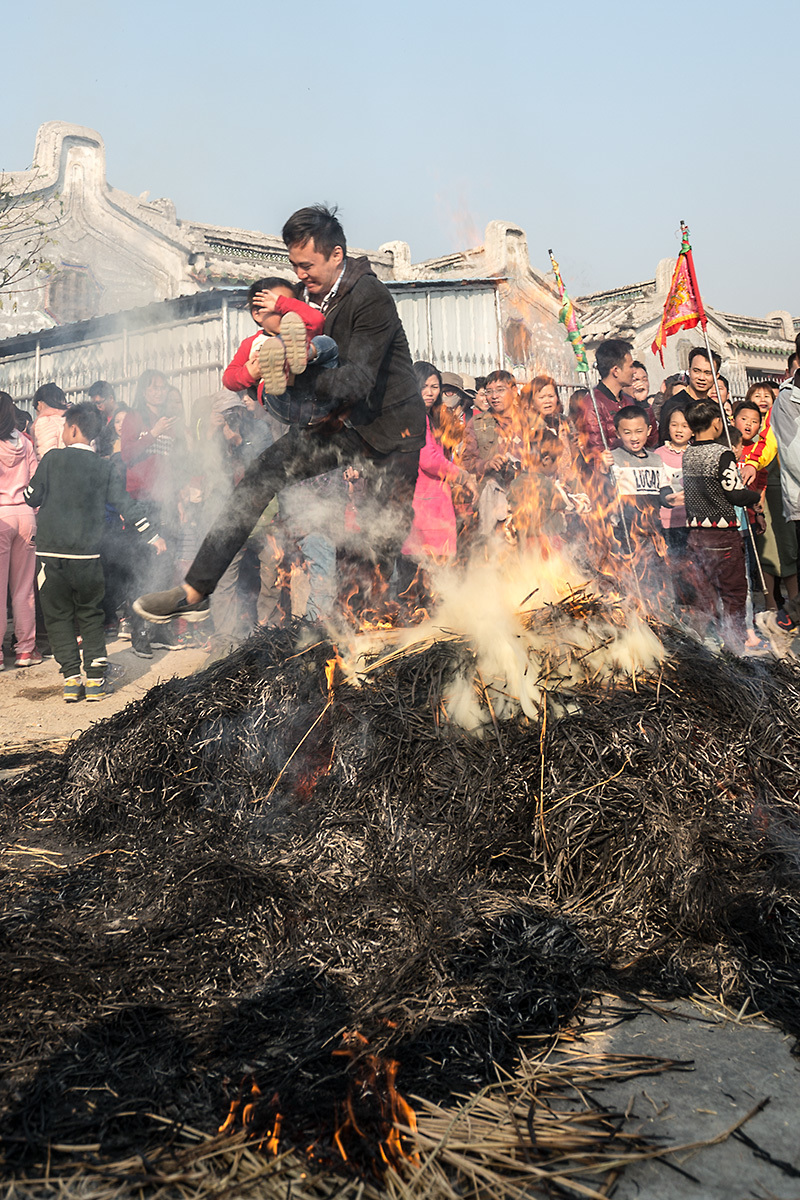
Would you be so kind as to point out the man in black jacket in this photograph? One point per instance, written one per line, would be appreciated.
(376, 417)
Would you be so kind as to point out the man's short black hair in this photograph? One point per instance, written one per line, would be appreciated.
(317, 222)
(266, 285)
(701, 352)
(101, 388)
(610, 354)
(87, 417)
(701, 414)
(640, 365)
(629, 413)
(500, 377)
(749, 404)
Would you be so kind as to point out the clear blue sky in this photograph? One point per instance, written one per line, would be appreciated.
(596, 127)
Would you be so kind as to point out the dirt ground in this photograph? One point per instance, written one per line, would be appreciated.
(33, 709)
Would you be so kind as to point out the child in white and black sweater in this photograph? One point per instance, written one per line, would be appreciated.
(640, 488)
(712, 489)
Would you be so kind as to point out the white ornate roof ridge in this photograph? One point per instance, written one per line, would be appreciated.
(45, 170)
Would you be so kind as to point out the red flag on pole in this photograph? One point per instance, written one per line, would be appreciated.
(684, 308)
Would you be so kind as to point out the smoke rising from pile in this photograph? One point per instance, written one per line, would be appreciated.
(534, 630)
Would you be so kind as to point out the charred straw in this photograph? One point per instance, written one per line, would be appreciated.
(183, 909)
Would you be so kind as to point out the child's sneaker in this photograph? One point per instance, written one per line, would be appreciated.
(272, 361)
(96, 689)
(164, 638)
(140, 644)
(124, 631)
(295, 339)
(73, 689)
(29, 660)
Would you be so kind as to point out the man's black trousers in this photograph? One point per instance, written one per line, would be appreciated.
(385, 516)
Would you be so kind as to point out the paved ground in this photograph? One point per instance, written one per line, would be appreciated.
(734, 1067)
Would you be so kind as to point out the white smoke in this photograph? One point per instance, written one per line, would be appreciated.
(534, 629)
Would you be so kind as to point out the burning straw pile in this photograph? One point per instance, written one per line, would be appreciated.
(272, 892)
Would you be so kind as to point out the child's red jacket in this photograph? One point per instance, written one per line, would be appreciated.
(236, 377)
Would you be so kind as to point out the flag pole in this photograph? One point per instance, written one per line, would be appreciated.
(569, 319)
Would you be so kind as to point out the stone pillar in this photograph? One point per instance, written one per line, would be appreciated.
(664, 272)
(401, 258)
(506, 250)
(786, 321)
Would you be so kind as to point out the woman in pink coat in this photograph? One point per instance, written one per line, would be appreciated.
(17, 535)
(432, 537)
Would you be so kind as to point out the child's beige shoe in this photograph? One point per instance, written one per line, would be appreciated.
(272, 361)
(294, 337)
(781, 640)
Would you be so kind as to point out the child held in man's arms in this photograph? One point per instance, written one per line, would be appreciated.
(713, 489)
(290, 339)
(71, 489)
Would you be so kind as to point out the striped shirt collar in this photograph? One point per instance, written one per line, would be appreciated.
(325, 303)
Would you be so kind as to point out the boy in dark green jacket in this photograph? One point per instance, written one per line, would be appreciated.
(71, 489)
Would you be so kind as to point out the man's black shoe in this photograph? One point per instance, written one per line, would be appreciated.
(160, 607)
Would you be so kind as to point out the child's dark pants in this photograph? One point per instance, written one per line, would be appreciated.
(71, 592)
(719, 559)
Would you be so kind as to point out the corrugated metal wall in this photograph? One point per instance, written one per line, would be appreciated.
(456, 326)
(192, 352)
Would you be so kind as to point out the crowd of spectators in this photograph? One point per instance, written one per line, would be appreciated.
(672, 495)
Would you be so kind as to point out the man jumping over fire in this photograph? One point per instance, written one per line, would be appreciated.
(375, 416)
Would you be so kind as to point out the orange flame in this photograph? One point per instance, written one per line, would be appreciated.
(375, 1114)
(375, 1077)
(248, 1115)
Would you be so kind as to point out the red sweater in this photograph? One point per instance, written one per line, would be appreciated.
(149, 476)
(236, 377)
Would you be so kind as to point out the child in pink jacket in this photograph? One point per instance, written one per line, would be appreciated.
(17, 535)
